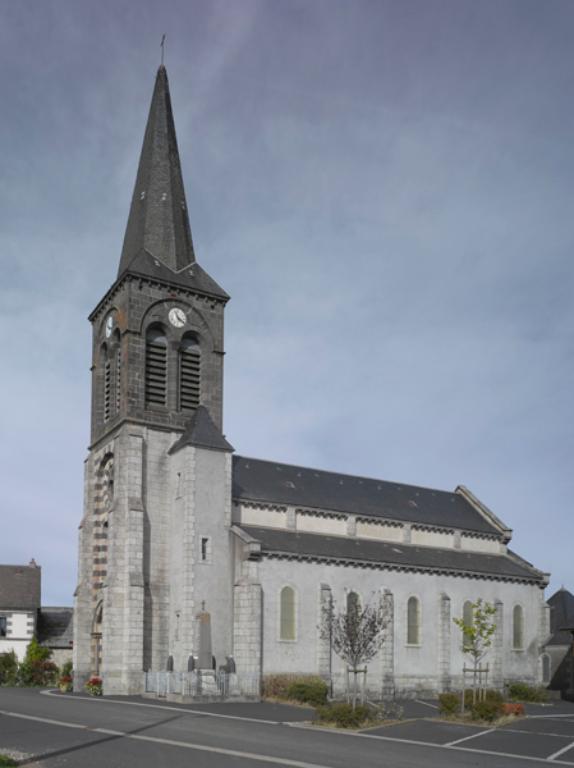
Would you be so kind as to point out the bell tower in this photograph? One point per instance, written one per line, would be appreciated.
(157, 369)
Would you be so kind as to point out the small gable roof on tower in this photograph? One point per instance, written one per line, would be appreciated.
(158, 240)
(201, 432)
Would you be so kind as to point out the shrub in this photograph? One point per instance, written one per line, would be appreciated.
(525, 692)
(65, 683)
(94, 686)
(449, 703)
(513, 709)
(37, 673)
(8, 668)
(305, 688)
(312, 691)
(67, 668)
(344, 716)
(486, 710)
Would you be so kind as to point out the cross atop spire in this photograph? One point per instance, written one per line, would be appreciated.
(158, 222)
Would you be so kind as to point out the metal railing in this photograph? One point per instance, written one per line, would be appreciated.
(196, 684)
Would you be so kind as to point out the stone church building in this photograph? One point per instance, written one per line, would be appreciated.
(176, 525)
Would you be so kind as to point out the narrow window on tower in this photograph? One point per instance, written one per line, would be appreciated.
(189, 373)
(118, 370)
(155, 367)
(107, 382)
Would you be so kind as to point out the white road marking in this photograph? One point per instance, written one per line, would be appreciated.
(467, 738)
(181, 710)
(426, 703)
(171, 742)
(277, 760)
(560, 751)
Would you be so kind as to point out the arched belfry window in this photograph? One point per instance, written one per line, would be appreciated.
(518, 628)
(413, 621)
(118, 376)
(155, 366)
(107, 382)
(287, 614)
(189, 372)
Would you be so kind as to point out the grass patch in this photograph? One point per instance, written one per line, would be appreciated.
(7, 762)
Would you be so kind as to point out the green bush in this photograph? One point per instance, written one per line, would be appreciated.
(312, 691)
(37, 673)
(293, 687)
(525, 692)
(67, 669)
(449, 703)
(6, 761)
(486, 710)
(8, 668)
(344, 716)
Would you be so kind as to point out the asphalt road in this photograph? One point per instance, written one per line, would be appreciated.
(71, 731)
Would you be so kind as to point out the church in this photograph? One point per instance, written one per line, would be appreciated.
(178, 528)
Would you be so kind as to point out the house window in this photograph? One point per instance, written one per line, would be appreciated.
(468, 620)
(518, 628)
(3, 626)
(205, 549)
(156, 367)
(189, 373)
(413, 621)
(287, 614)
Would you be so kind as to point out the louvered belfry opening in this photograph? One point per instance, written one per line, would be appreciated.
(156, 367)
(107, 383)
(118, 372)
(189, 373)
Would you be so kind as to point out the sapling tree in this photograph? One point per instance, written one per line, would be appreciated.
(356, 634)
(477, 633)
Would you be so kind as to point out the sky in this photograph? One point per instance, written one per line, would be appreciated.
(386, 189)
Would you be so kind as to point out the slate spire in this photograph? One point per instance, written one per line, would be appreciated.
(158, 222)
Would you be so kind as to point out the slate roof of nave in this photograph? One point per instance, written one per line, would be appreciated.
(275, 483)
(313, 546)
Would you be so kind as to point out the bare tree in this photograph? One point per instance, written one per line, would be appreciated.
(355, 634)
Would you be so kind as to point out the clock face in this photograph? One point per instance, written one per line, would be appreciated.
(177, 317)
(109, 326)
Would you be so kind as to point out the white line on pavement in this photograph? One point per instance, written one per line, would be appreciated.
(181, 710)
(426, 703)
(284, 761)
(561, 751)
(467, 738)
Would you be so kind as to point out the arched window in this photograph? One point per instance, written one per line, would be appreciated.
(353, 604)
(518, 628)
(545, 668)
(413, 621)
(287, 614)
(189, 372)
(155, 367)
(107, 382)
(118, 377)
(468, 620)
(169, 665)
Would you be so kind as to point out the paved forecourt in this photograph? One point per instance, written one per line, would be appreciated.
(548, 737)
